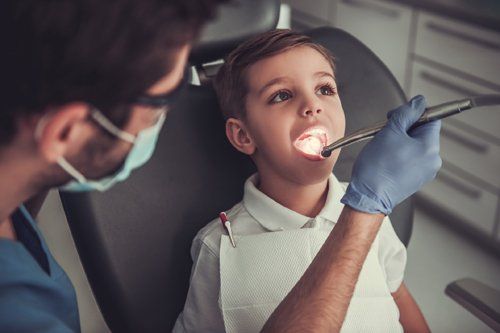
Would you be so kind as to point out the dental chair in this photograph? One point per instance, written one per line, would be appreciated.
(134, 240)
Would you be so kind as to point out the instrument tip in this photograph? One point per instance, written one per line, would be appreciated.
(326, 153)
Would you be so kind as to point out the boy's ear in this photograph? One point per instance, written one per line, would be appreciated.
(239, 137)
(61, 131)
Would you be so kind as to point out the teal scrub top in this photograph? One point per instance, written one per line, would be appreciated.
(36, 295)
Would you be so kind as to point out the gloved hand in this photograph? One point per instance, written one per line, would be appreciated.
(396, 163)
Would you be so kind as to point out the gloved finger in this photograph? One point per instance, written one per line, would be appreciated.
(406, 115)
(407, 104)
(428, 133)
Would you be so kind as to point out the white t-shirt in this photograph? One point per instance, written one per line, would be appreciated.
(256, 214)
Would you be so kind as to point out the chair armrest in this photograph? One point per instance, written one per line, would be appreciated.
(480, 299)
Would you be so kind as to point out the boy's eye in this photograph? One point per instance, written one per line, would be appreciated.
(326, 90)
(280, 97)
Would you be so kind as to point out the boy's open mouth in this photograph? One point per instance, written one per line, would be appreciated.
(311, 142)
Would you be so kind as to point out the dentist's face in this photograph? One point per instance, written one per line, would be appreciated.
(292, 111)
(94, 152)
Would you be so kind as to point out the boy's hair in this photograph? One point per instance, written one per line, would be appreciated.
(231, 85)
(104, 52)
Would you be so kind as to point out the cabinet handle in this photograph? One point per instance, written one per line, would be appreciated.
(463, 36)
(442, 82)
(373, 7)
(461, 187)
(475, 146)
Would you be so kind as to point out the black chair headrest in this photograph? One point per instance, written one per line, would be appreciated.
(235, 22)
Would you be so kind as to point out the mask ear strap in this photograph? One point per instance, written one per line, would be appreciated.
(71, 170)
(110, 127)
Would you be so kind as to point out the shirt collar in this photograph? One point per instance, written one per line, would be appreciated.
(275, 217)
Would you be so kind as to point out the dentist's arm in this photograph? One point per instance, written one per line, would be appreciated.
(393, 166)
(319, 301)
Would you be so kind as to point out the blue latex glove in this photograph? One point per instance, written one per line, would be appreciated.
(396, 163)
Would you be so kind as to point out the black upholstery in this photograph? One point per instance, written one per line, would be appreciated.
(236, 21)
(134, 240)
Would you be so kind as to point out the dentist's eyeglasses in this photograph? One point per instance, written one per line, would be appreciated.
(158, 105)
(166, 101)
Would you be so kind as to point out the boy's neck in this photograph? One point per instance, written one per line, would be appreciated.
(307, 200)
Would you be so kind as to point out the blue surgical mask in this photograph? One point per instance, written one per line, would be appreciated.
(144, 144)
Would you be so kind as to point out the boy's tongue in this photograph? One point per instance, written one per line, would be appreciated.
(311, 145)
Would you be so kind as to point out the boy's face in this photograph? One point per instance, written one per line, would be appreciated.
(292, 111)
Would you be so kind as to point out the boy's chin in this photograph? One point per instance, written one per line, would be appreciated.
(313, 172)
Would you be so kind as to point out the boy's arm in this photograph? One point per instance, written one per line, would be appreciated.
(410, 316)
(392, 256)
(319, 301)
(201, 311)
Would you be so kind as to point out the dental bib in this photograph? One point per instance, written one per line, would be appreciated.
(258, 274)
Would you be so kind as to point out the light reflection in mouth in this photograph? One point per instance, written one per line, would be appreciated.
(311, 142)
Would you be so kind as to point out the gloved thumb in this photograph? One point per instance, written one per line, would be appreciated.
(407, 114)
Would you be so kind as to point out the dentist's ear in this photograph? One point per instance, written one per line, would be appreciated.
(239, 137)
(61, 130)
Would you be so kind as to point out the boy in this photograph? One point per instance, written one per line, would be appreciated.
(279, 96)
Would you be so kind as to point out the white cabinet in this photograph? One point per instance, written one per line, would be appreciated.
(463, 199)
(470, 141)
(471, 154)
(460, 46)
(439, 86)
(384, 27)
(453, 60)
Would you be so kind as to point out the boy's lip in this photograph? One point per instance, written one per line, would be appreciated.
(320, 133)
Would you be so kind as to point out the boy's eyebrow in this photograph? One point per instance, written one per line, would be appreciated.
(284, 79)
(273, 82)
(322, 74)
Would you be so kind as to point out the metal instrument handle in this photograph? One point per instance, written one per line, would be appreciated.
(433, 113)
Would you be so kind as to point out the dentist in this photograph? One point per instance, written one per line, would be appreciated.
(86, 86)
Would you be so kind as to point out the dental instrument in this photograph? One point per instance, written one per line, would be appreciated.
(227, 224)
(432, 113)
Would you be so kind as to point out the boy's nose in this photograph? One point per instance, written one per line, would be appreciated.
(311, 111)
(310, 105)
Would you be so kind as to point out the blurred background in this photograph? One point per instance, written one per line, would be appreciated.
(444, 50)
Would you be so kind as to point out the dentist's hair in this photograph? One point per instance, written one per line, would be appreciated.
(231, 84)
(104, 52)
